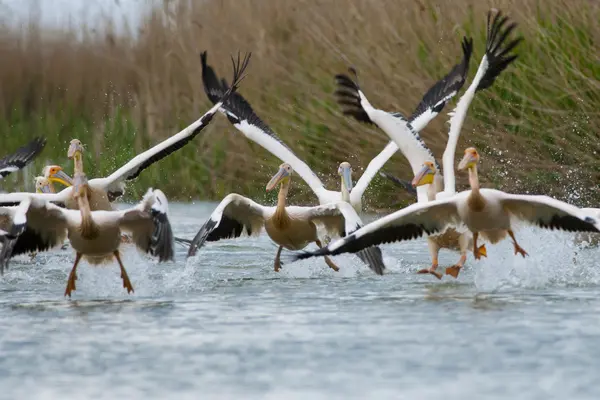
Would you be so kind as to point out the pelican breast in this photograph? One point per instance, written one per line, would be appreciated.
(294, 230)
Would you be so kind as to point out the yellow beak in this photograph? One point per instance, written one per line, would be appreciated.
(423, 177)
(468, 161)
(61, 178)
(279, 176)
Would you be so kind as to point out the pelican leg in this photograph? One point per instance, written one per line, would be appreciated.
(328, 261)
(463, 243)
(480, 251)
(434, 250)
(277, 259)
(518, 249)
(124, 276)
(72, 276)
(125, 238)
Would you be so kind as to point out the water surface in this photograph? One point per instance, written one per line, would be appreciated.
(223, 325)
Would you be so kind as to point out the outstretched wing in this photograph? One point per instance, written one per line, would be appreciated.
(243, 118)
(133, 168)
(494, 61)
(342, 219)
(549, 213)
(351, 98)
(34, 226)
(442, 91)
(234, 216)
(409, 223)
(21, 157)
(149, 225)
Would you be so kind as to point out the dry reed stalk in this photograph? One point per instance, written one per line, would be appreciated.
(538, 126)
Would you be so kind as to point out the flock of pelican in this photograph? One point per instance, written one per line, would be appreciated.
(83, 212)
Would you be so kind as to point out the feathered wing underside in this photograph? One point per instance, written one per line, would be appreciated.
(497, 52)
(149, 226)
(241, 115)
(442, 91)
(496, 59)
(351, 99)
(21, 157)
(14, 199)
(341, 219)
(409, 223)
(133, 168)
(348, 97)
(30, 227)
(549, 213)
(234, 216)
(407, 139)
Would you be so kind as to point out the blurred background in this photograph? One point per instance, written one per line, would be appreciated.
(123, 75)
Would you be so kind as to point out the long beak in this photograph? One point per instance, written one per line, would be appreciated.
(347, 178)
(74, 148)
(61, 178)
(282, 173)
(468, 161)
(422, 177)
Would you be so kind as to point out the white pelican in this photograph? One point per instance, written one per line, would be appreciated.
(242, 116)
(485, 212)
(290, 227)
(112, 187)
(21, 157)
(419, 156)
(96, 235)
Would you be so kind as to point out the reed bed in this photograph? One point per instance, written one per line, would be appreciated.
(538, 127)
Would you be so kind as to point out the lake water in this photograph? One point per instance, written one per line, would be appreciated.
(223, 325)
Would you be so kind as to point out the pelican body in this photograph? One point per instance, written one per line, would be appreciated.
(290, 227)
(488, 213)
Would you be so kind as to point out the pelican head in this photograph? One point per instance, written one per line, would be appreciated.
(42, 185)
(282, 176)
(75, 149)
(470, 159)
(425, 175)
(345, 171)
(55, 173)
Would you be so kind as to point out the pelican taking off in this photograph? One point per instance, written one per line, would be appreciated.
(485, 212)
(96, 235)
(242, 116)
(291, 227)
(419, 156)
(104, 189)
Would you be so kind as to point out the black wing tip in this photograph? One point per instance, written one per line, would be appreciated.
(348, 97)
(436, 97)
(399, 182)
(201, 237)
(239, 67)
(497, 51)
(373, 257)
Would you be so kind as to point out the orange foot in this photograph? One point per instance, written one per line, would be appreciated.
(126, 282)
(125, 238)
(480, 252)
(453, 270)
(519, 250)
(71, 284)
(431, 271)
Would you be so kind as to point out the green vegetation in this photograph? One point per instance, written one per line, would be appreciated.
(538, 127)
